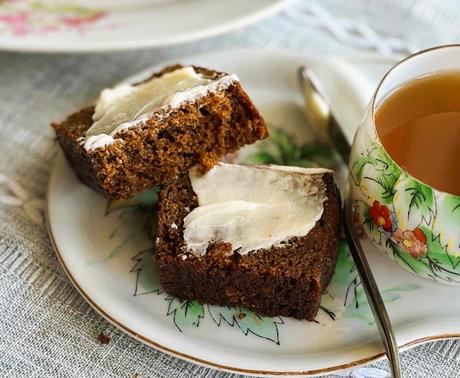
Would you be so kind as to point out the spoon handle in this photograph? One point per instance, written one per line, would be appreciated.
(328, 129)
(372, 293)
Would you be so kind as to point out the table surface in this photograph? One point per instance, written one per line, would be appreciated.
(46, 328)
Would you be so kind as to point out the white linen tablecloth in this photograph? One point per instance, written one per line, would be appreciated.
(46, 328)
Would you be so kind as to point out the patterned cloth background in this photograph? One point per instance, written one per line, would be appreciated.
(46, 328)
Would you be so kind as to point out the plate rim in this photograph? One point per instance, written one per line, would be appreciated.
(190, 358)
(82, 47)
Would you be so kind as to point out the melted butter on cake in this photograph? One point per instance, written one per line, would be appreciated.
(253, 207)
(126, 105)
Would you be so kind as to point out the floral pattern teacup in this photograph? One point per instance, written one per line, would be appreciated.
(412, 223)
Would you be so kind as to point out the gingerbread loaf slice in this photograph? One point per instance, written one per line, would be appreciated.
(261, 237)
(139, 136)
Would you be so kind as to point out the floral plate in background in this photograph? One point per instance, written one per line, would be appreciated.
(106, 25)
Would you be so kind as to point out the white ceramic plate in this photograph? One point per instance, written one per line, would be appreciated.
(105, 25)
(107, 253)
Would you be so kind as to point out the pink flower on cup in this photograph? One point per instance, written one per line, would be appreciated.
(411, 241)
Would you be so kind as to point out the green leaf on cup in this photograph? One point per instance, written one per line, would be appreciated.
(435, 250)
(383, 163)
(358, 167)
(446, 225)
(413, 203)
(376, 174)
(384, 187)
(414, 265)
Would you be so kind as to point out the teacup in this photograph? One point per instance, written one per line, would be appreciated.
(414, 224)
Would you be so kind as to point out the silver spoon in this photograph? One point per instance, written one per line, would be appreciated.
(328, 129)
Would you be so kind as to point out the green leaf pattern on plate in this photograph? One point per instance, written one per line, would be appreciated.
(247, 321)
(184, 313)
(280, 148)
(345, 283)
(147, 280)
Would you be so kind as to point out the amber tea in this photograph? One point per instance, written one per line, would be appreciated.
(419, 126)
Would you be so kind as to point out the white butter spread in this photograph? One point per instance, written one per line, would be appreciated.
(126, 105)
(253, 207)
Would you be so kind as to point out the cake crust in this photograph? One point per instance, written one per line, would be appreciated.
(149, 154)
(286, 280)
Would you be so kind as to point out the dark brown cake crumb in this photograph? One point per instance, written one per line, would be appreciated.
(197, 133)
(286, 280)
(103, 339)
